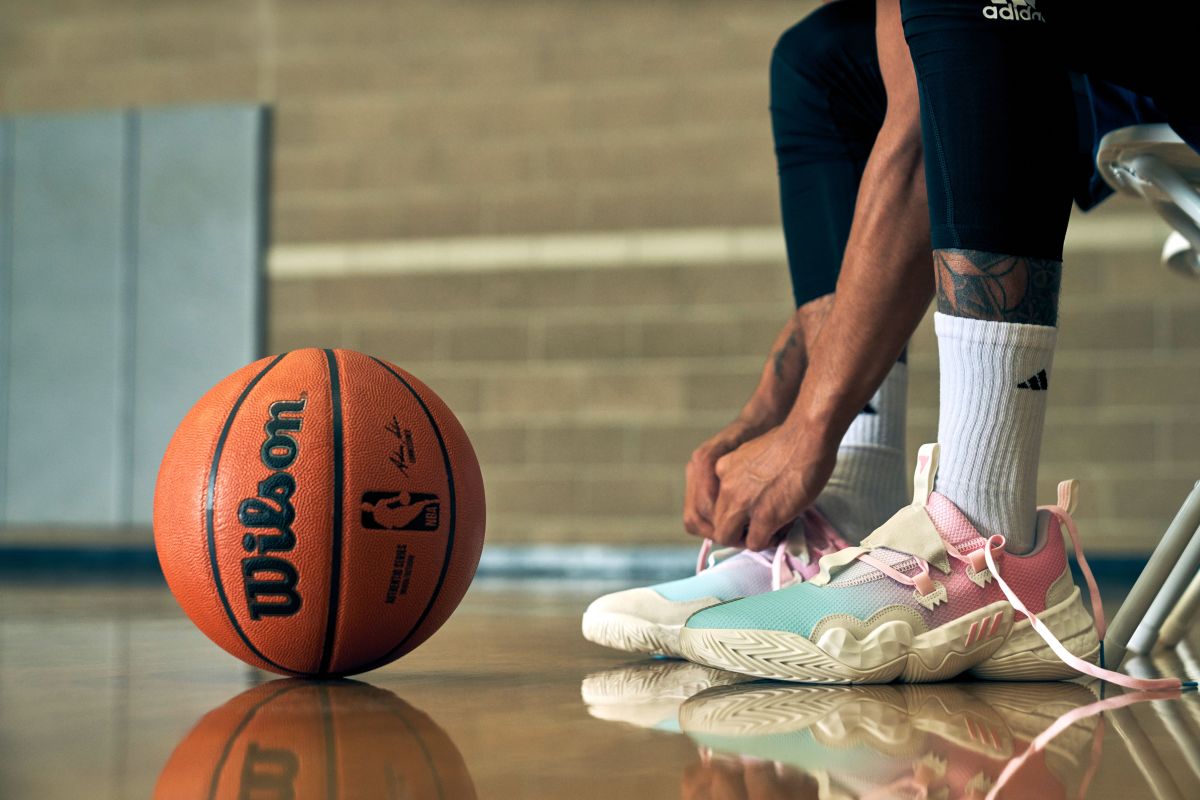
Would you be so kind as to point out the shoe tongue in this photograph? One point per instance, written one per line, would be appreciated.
(911, 531)
(739, 555)
(951, 526)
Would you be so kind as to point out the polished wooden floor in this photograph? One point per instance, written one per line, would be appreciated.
(107, 691)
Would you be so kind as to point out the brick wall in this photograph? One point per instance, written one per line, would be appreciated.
(584, 388)
(399, 118)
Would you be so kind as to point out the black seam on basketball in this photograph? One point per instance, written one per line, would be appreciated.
(229, 740)
(437, 590)
(331, 764)
(420, 740)
(208, 514)
(339, 477)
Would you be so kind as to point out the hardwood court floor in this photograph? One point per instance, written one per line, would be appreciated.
(107, 691)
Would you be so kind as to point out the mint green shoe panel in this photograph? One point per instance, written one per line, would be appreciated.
(727, 581)
(798, 609)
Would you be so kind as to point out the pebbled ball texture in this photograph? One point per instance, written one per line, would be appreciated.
(319, 513)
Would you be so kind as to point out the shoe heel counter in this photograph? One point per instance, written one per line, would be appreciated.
(1025, 655)
(1061, 588)
(1041, 578)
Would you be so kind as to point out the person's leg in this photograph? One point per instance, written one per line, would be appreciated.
(929, 594)
(998, 124)
(821, 145)
(827, 105)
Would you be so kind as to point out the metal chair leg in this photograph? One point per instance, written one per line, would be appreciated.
(1166, 556)
(1145, 636)
(1180, 620)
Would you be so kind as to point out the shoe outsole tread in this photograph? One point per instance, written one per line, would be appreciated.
(631, 634)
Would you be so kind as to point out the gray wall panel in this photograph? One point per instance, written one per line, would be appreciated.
(66, 449)
(200, 236)
(5, 308)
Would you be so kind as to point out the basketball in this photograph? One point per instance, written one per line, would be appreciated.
(319, 513)
(302, 739)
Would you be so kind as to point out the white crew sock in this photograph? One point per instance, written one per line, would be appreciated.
(993, 410)
(869, 482)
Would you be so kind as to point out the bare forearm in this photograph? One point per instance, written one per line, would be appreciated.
(885, 286)
(783, 372)
(886, 282)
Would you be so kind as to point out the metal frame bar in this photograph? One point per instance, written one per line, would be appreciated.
(1151, 583)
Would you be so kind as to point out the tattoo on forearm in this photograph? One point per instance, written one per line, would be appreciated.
(992, 286)
(780, 355)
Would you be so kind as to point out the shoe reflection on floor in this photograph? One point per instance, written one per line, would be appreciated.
(936, 740)
(648, 693)
(761, 740)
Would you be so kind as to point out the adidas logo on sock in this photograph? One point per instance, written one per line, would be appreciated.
(1038, 382)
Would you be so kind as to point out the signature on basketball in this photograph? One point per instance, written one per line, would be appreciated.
(405, 453)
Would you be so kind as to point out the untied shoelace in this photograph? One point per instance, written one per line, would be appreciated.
(820, 539)
(988, 557)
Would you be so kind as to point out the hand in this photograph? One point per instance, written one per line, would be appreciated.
(702, 484)
(734, 779)
(766, 483)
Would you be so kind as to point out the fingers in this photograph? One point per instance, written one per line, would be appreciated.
(723, 465)
(707, 487)
(734, 502)
(696, 525)
(699, 494)
(729, 521)
(764, 530)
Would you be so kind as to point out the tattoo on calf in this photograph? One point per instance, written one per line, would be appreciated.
(780, 355)
(992, 286)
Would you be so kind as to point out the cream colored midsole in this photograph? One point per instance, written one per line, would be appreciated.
(896, 638)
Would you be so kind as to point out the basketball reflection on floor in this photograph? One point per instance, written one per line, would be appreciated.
(294, 738)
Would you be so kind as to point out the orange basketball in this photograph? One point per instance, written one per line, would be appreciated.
(319, 513)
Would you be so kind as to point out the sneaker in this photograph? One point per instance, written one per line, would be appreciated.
(647, 694)
(923, 598)
(648, 619)
(954, 740)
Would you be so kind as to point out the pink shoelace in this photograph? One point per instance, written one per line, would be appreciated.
(987, 557)
(918, 785)
(1069, 658)
(820, 538)
(1068, 719)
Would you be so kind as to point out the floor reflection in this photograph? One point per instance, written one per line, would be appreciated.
(294, 738)
(936, 740)
(648, 694)
(761, 740)
(99, 686)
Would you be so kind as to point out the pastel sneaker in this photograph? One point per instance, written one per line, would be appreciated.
(923, 598)
(648, 619)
